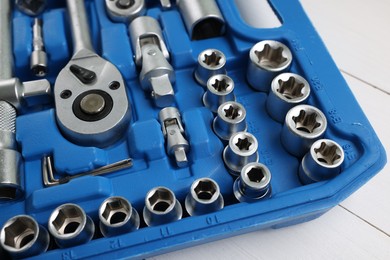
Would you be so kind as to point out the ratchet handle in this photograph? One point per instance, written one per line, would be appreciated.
(79, 26)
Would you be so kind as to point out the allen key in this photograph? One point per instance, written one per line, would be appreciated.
(48, 171)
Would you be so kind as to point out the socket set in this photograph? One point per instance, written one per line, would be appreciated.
(130, 129)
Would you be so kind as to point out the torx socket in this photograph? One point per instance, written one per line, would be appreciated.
(220, 89)
(210, 62)
(231, 118)
(322, 162)
(70, 226)
(204, 197)
(267, 59)
(304, 124)
(161, 207)
(202, 18)
(241, 150)
(287, 91)
(117, 216)
(253, 184)
(21, 236)
(10, 159)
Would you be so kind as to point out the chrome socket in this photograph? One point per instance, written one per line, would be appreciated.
(231, 118)
(304, 124)
(267, 59)
(204, 197)
(202, 18)
(322, 162)
(38, 59)
(253, 184)
(161, 207)
(210, 62)
(21, 236)
(125, 11)
(117, 216)
(241, 150)
(70, 226)
(219, 90)
(287, 91)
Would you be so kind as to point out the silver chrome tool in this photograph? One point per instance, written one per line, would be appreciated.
(220, 89)
(210, 62)
(10, 159)
(202, 18)
(117, 216)
(70, 226)
(21, 236)
(231, 118)
(125, 10)
(38, 59)
(322, 162)
(91, 101)
(267, 59)
(241, 150)
(13, 91)
(161, 207)
(204, 197)
(48, 171)
(157, 75)
(31, 7)
(304, 124)
(287, 91)
(173, 131)
(253, 184)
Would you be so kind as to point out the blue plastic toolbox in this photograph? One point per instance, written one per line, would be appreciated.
(291, 202)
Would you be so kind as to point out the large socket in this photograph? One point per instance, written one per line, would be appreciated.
(21, 236)
(322, 162)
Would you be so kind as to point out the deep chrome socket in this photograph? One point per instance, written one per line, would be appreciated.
(231, 118)
(219, 90)
(210, 62)
(204, 197)
(161, 207)
(241, 150)
(267, 59)
(287, 91)
(253, 184)
(21, 236)
(304, 124)
(70, 226)
(117, 216)
(38, 59)
(322, 162)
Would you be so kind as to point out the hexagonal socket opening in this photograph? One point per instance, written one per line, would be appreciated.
(68, 220)
(256, 174)
(270, 56)
(291, 89)
(328, 153)
(20, 233)
(306, 121)
(161, 200)
(116, 211)
(205, 189)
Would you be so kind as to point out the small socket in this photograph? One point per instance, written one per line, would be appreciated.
(253, 184)
(117, 216)
(161, 207)
(204, 197)
(267, 59)
(304, 124)
(125, 11)
(210, 62)
(287, 91)
(219, 90)
(241, 150)
(231, 118)
(70, 226)
(21, 236)
(322, 162)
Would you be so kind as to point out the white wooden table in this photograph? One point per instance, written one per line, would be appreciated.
(357, 35)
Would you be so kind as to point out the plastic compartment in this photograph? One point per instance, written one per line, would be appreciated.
(291, 202)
